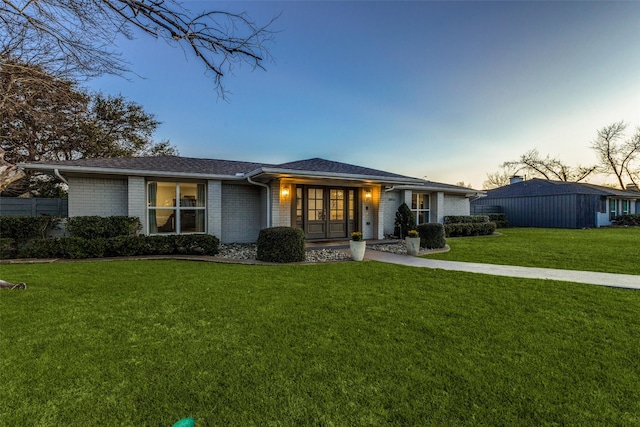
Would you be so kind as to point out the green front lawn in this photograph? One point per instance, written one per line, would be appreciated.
(149, 342)
(611, 250)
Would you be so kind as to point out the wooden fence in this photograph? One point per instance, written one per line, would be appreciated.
(13, 206)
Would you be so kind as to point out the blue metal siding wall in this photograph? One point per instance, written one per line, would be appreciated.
(586, 209)
(556, 211)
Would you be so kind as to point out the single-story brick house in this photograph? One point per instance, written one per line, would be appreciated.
(558, 204)
(234, 200)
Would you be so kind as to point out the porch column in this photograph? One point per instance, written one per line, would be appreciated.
(385, 209)
(214, 208)
(439, 207)
(281, 204)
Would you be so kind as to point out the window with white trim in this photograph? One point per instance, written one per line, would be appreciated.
(613, 209)
(176, 207)
(420, 207)
(625, 207)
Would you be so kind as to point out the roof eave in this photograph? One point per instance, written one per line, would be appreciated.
(469, 192)
(49, 167)
(292, 173)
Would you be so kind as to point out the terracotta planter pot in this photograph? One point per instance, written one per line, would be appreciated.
(413, 245)
(357, 249)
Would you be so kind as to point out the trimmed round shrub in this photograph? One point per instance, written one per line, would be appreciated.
(281, 244)
(432, 235)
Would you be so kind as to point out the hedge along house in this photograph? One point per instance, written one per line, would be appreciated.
(234, 200)
(558, 204)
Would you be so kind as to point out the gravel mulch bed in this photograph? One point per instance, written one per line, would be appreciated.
(248, 252)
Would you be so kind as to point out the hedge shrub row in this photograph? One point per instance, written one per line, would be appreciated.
(500, 219)
(632, 220)
(92, 227)
(432, 235)
(281, 244)
(457, 219)
(79, 248)
(23, 228)
(7, 248)
(469, 229)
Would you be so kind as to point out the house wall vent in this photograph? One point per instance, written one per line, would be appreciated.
(515, 179)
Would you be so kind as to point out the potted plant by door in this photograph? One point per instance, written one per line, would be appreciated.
(357, 246)
(412, 241)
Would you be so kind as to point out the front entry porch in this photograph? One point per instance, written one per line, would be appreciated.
(325, 212)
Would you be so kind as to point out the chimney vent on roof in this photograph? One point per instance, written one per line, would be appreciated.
(515, 179)
(632, 187)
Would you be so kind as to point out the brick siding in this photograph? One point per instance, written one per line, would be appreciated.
(243, 213)
(97, 196)
(137, 200)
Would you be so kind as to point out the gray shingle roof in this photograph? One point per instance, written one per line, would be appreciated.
(215, 166)
(322, 165)
(543, 187)
(166, 163)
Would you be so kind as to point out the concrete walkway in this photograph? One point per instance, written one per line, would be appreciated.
(628, 281)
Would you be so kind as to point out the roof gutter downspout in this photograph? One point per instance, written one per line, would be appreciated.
(56, 172)
(266, 186)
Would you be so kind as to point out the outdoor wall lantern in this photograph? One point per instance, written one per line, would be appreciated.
(367, 195)
(285, 193)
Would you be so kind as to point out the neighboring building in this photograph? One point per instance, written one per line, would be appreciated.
(558, 204)
(235, 200)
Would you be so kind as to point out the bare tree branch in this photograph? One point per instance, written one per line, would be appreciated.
(617, 157)
(548, 168)
(499, 178)
(76, 38)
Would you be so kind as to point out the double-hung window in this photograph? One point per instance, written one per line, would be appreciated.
(420, 207)
(625, 207)
(613, 209)
(176, 207)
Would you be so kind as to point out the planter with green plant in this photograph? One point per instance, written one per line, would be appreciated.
(357, 246)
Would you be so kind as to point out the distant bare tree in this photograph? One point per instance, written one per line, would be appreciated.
(464, 184)
(549, 167)
(499, 178)
(617, 156)
(76, 38)
(495, 180)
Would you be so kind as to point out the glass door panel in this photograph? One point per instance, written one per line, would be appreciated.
(336, 225)
(315, 213)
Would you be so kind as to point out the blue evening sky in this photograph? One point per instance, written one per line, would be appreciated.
(442, 90)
